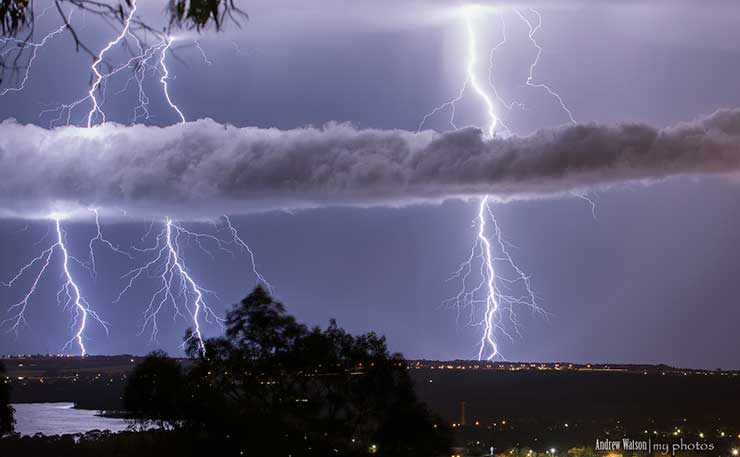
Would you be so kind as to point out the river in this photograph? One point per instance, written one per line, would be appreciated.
(60, 419)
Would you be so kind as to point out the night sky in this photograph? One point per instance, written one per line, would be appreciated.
(651, 279)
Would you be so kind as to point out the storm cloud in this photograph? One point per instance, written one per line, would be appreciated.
(202, 169)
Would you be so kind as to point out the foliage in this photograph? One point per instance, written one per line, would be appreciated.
(18, 15)
(14, 14)
(154, 392)
(18, 20)
(273, 385)
(6, 411)
(198, 14)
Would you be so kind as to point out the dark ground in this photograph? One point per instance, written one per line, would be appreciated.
(537, 408)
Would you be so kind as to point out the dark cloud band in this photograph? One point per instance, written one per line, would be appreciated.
(203, 169)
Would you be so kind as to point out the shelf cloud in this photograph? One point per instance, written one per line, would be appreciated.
(203, 169)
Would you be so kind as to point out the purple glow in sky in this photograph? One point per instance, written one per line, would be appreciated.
(302, 124)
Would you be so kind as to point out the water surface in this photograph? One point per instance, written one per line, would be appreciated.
(60, 419)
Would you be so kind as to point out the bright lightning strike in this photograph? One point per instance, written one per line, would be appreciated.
(98, 76)
(69, 295)
(483, 286)
(148, 60)
(199, 304)
(490, 291)
(35, 49)
(530, 79)
(100, 239)
(166, 76)
(71, 290)
(140, 65)
(175, 283)
(239, 242)
(472, 60)
(470, 80)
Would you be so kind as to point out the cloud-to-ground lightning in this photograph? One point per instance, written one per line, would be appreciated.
(175, 283)
(242, 245)
(491, 291)
(71, 291)
(484, 286)
(69, 295)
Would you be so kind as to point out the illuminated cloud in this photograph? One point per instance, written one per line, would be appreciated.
(202, 169)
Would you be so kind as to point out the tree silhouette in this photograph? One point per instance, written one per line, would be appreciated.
(6, 411)
(18, 20)
(273, 386)
(154, 393)
(17, 16)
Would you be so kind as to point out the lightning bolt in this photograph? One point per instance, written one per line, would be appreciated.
(471, 80)
(591, 202)
(166, 76)
(472, 61)
(98, 78)
(141, 64)
(72, 291)
(34, 53)
(491, 58)
(175, 283)
(483, 286)
(69, 294)
(530, 78)
(469, 12)
(487, 340)
(241, 244)
(492, 291)
(100, 239)
(203, 54)
(199, 304)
